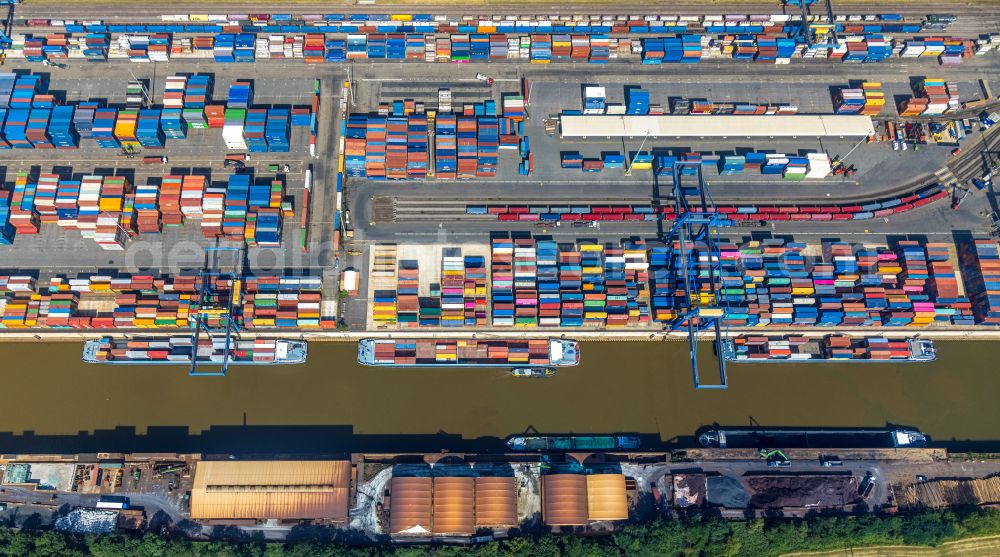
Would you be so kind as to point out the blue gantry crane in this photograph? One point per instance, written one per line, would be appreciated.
(8, 24)
(696, 263)
(217, 313)
(805, 33)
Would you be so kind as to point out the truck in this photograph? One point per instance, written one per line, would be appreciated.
(112, 502)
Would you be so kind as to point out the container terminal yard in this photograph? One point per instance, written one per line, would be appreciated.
(496, 188)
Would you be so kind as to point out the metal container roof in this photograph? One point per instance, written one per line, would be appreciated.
(707, 125)
(496, 501)
(606, 499)
(284, 489)
(564, 500)
(453, 505)
(410, 508)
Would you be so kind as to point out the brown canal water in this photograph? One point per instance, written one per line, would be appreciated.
(52, 402)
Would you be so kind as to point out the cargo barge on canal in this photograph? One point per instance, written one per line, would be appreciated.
(429, 352)
(573, 443)
(178, 350)
(830, 349)
(822, 438)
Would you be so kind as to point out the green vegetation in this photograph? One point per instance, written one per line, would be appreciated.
(681, 538)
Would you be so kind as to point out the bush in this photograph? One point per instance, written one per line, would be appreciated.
(695, 537)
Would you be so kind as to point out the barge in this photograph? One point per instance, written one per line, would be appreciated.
(745, 438)
(831, 349)
(178, 350)
(429, 352)
(573, 443)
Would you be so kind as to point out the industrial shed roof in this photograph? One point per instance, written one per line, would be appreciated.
(284, 489)
(496, 501)
(606, 498)
(564, 500)
(410, 508)
(704, 125)
(453, 505)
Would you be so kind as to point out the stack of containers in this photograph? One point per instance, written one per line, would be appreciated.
(452, 310)
(104, 127)
(488, 147)
(125, 128)
(600, 49)
(253, 130)
(592, 278)
(541, 49)
(474, 291)
(980, 263)
(415, 47)
(213, 211)
(416, 146)
(395, 147)
(148, 132)
(502, 282)
(661, 281)
(636, 278)
(45, 197)
(461, 50)
(89, 204)
(37, 129)
(636, 101)
(170, 201)
(67, 199)
(96, 46)
(7, 231)
(173, 91)
(548, 283)
(197, 92)
(354, 144)
(7, 81)
(222, 49)
(570, 289)
(171, 124)
(407, 290)
(336, 50)
(445, 146)
(147, 208)
(16, 128)
(276, 130)
(232, 130)
(240, 95)
(525, 283)
(108, 233)
(192, 191)
(235, 216)
(874, 98)
(61, 130)
(83, 119)
(466, 127)
(375, 147)
(215, 116)
(313, 49)
(618, 300)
